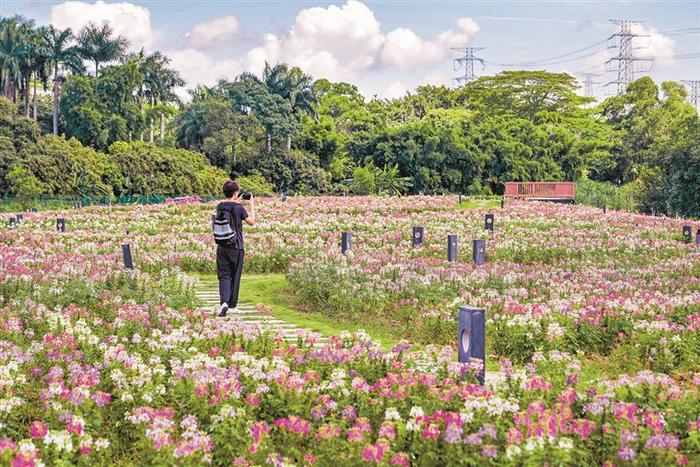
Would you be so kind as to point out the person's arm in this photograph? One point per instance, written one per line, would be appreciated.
(250, 220)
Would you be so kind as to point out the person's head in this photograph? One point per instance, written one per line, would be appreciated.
(231, 188)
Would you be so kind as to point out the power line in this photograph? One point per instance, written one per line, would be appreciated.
(467, 61)
(694, 94)
(554, 59)
(588, 83)
(624, 62)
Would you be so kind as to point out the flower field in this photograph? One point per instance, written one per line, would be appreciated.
(99, 366)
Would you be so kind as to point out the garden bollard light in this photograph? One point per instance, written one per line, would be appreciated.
(126, 255)
(488, 222)
(687, 233)
(471, 336)
(479, 251)
(503, 202)
(60, 224)
(418, 236)
(460, 199)
(697, 238)
(345, 241)
(605, 209)
(452, 248)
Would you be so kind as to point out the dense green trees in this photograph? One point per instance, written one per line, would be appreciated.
(284, 130)
(36, 164)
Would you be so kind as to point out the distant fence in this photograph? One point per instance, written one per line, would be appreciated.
(541, 190)
(72, 200)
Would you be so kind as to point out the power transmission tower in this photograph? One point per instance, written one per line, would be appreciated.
(588, 83)
(694, 94)
(467, 61)
(624, 63)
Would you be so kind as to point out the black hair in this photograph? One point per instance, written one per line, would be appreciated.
(230, 188)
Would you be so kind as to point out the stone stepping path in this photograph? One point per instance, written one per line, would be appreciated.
(208, 294)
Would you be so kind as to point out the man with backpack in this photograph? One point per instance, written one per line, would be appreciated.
(228, 235)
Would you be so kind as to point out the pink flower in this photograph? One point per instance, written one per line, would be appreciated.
(84, 450)
(7, 445)
(257, 431)
(75, 426)
(514, 436)
(327, 430)
(400, 458)
(354, 434)
(310, 459)
(432, 431)
(252, 399)
(387, 430)
(38, 429)
(25, 459)
(489, 451)
(374, 452)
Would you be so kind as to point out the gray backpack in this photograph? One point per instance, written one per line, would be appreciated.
(222, 226)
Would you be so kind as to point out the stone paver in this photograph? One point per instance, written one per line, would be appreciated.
(208, 294)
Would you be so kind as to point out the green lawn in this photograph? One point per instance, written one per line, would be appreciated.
(490, 203)
(273, 290)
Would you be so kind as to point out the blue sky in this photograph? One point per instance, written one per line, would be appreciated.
(388, 47)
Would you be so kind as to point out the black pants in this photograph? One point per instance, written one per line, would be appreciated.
(229, 266)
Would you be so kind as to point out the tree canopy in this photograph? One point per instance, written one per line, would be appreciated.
(305, 135)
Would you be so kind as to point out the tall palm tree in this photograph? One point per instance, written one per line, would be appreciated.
(35, 62)
(12, 55)
(63, 55)
(293, 85)
(41, 64)
(98, 44)
(157, 87)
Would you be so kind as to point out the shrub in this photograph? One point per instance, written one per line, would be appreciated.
(593, 193)
(256, 184)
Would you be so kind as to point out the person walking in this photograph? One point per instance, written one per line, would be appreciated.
(228, 234)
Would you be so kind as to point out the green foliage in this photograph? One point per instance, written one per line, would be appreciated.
(22, 183)
(371, 180)
(290, 171)
(514, 126)
(149, 169)
(599, 194)
(256, 184)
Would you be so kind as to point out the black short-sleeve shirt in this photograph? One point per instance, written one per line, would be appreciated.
(238, 215)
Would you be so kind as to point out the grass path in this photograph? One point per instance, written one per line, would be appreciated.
(273, 291)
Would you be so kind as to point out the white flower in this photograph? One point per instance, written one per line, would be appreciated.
(416, 411)
(411, 425)
(392, 414)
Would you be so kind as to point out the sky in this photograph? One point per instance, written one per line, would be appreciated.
(389, 47)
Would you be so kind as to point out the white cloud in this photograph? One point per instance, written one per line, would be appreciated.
(334, 42)
(438, 78)
(395, 90)
(127, 19)
(215, 33)
(256, 57)
(404, 50)
(197, 67)
(656, 45)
